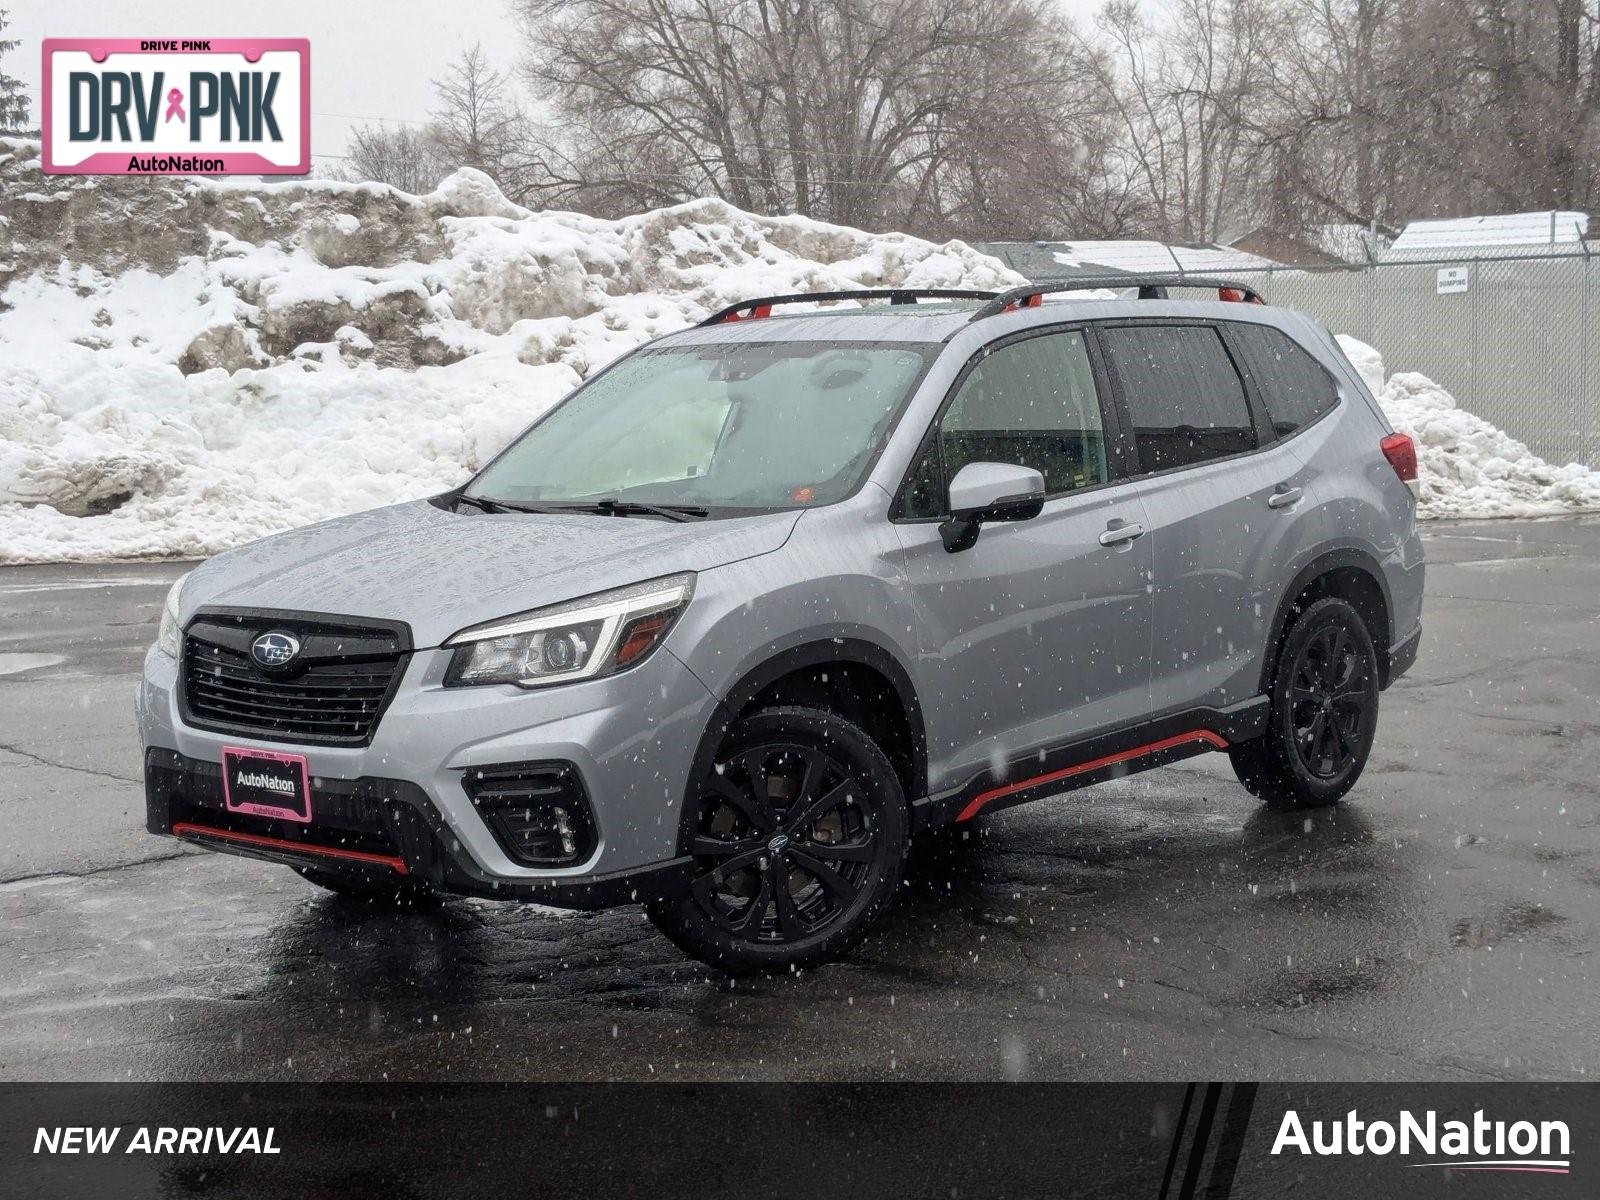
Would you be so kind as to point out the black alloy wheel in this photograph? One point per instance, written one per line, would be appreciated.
(1324, 711)
(798, 837)
(1329, 697)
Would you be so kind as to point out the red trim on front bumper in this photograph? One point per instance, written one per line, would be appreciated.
(1198, 735)
(255, 839)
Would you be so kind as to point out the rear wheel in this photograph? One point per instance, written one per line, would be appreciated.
(1324, 711)
(799, 837)
(374, 888)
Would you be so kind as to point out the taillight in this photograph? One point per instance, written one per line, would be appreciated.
(1401, 452)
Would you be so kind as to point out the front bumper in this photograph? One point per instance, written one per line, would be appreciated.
(630, 737)
(371, 827)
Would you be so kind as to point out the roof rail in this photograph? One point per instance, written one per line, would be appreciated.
(762, 307)
(1151, 287)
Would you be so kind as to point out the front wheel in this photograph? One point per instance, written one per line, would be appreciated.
(799, 837)
(1324, 711)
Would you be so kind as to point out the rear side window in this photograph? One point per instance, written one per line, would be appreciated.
(1186, 400)
(1031, 402)
(1293, 384)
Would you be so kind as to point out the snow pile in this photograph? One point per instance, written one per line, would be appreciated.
(1468, 467)
(186, 365)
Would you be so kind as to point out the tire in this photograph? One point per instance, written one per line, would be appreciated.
(793, 884)
(1324, 711)
(372, 889)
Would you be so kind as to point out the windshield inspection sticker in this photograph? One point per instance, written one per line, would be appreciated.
(213, 106)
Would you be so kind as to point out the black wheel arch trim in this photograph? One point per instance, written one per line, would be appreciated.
(814, 653)
(1324, 560)
(1403, 654)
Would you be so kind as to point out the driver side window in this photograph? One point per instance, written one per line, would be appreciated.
(1031, 402)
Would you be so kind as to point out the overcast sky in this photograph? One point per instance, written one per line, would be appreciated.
(370, 59)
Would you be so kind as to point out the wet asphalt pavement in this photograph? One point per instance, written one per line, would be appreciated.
(1440, 924)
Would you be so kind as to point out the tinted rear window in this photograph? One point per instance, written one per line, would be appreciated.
(1187, 403)
(1293, 385)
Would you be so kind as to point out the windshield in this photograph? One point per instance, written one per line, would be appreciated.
(737, 425)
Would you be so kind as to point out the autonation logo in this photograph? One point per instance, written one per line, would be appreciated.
(1476, 1145)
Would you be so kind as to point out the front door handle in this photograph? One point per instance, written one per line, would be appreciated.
(1119, 531)
(1284, 496)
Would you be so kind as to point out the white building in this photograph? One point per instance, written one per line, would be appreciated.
(1487, 237)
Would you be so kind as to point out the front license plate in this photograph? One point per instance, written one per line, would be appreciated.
(264, 783)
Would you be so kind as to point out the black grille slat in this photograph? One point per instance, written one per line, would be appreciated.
(326, 698)
(237, 663)
(298, 688)
(287, 719)
(276, 704)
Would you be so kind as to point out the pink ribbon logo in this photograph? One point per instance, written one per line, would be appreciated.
(175, 105)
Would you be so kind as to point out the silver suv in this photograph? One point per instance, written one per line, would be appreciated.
(768, 596)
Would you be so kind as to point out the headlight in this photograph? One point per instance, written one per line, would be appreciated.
(167, 637)
(597, 635)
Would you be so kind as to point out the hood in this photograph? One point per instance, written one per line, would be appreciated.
(440, 572)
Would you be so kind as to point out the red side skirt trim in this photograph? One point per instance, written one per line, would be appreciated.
(395, 864)
(1198, 735)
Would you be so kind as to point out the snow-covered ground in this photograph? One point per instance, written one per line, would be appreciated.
(187, 365)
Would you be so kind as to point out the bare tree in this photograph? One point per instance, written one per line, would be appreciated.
(894, 112)
(1189, 94)
(401, 155)
(1396, 108)
(948, 118)
(478, 123)
(1524, 86)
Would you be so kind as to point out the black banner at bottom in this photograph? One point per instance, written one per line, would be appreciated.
(707, 1141)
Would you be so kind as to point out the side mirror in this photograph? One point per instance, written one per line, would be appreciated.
(988, 491)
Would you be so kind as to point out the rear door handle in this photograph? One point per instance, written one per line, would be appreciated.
(1284, 496)
(1119, 531)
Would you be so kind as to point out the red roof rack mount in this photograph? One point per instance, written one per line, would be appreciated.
(747, 310)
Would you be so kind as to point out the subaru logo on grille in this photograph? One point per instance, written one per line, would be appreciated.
(275, 649)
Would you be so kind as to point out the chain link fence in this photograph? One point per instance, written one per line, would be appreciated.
(1517, 345)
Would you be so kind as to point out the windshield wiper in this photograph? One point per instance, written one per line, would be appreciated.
(608, 507)
(478, 502)
(613, 507)
(504, 506)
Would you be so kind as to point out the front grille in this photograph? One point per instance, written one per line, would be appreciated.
(538, 812)
(333, 692)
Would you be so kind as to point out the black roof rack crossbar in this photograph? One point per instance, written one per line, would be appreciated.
(1151, 287)
(764, 304)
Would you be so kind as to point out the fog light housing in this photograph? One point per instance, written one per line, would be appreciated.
(538, 812)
